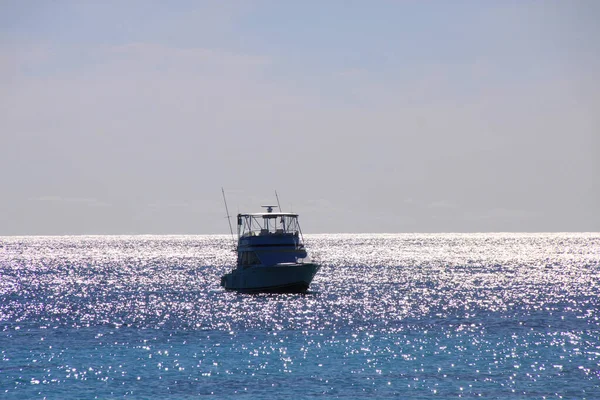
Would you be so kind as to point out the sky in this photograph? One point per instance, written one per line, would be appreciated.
(127, 117)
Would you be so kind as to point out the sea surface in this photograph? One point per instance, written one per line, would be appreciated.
(388, 316)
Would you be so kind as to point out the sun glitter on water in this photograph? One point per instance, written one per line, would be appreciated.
(413, 315)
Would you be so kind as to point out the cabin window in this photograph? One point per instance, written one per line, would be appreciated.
(249, 258)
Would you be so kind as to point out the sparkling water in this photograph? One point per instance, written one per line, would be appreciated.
(405, 316)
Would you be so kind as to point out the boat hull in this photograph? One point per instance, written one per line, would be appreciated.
(280, 278)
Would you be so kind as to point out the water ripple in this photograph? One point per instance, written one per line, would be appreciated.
(414, 315)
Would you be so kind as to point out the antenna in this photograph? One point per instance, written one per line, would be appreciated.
(269, 208)
(278, 205)
(228, 217)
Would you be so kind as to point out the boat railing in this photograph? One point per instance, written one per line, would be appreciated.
(268, 232)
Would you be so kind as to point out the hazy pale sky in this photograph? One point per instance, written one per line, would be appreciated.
(121, 117)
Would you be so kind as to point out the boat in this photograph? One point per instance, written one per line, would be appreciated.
(271, 257)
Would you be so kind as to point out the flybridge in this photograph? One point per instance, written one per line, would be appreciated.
(268, 224)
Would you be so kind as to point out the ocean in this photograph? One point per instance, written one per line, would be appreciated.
(407, 316)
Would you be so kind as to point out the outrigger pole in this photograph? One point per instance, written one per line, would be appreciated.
(278, 205)
(228, 217)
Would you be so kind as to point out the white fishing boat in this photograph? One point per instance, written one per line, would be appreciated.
(270, 255)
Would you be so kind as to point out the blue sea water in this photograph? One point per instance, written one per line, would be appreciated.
(402, 316)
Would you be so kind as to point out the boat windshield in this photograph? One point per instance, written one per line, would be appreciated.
(268, 224)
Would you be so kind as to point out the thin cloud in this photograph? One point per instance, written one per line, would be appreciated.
(441, 204)
(89, 201)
